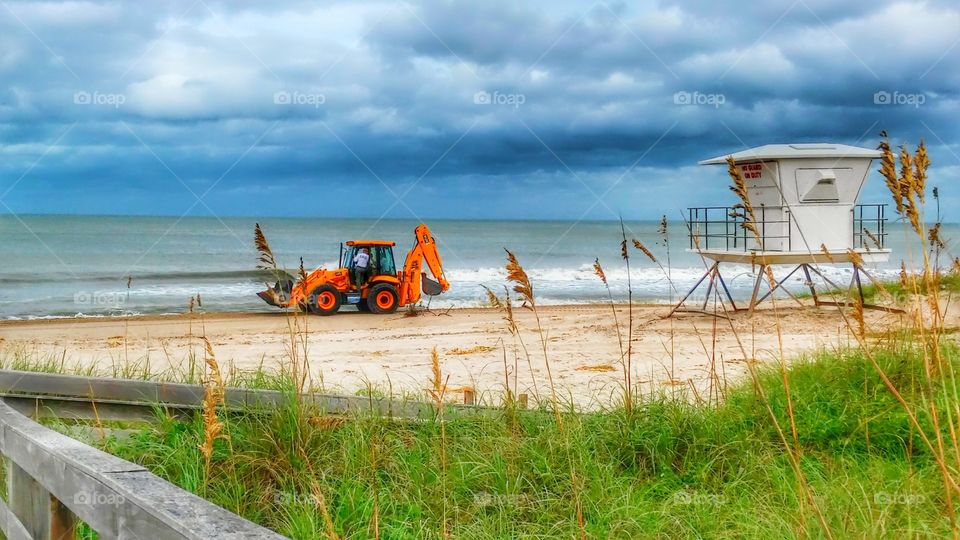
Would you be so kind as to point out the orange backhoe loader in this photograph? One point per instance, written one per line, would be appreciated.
(383, 289)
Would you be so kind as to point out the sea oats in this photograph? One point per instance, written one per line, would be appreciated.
(873, 238)
(826, 252)
(213, 396)
(598, 270)
(933, 236)
(492, 299)
(266, 261)
(639, 245)
(855, 258)
(517, 275)
(743, 210)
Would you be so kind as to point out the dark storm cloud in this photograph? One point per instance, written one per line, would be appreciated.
(276, 109)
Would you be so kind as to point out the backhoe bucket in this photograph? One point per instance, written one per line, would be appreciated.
(429, 286)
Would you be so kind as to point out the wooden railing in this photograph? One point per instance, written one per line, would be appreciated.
(100, 398)
(54, 481)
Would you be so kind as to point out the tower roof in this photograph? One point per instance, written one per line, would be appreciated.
(769, 152)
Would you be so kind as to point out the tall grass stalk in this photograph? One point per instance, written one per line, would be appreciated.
(907, 185)
(437, 393)
(213, 396)
(628, 361)
(524, 287)
(506, 306)
(598, 271)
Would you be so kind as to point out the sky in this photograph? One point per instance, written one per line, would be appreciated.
(436, 109)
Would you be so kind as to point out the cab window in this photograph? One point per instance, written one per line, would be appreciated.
(348, 256)
(383, 260)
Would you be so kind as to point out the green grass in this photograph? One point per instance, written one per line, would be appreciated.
(670, 470)
(188, 371)
(949, 283)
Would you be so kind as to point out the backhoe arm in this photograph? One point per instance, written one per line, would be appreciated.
(424, 249)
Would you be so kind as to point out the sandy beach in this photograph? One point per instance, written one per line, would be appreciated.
(351, 350)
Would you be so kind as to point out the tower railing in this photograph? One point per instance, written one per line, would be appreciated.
(869, 226)
(722, 228)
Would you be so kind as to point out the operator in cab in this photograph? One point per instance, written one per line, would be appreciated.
(361, 266)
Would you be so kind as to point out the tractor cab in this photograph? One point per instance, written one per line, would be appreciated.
(382, 262)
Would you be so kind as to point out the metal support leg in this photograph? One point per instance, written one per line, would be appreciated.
(825, 278)
(691, 291)
(726, 290)
(813, 290)
(779, 285)
(706, 297)
(856, 278)
(756, 289)
(871, 306)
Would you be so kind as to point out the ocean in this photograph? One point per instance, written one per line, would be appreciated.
(78, 266)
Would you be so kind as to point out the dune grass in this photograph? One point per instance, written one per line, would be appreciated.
(668, 469)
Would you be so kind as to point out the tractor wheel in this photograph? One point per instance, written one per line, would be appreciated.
(324, 300)
(383, 298)
(362, 306)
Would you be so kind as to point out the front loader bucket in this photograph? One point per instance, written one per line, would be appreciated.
(278, 295)
(429, 286)
(270, 297)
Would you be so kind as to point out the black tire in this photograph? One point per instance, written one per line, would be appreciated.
(362, 306)
(378, 296)
(324, 300)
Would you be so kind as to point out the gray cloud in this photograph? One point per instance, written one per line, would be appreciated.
(299, 103)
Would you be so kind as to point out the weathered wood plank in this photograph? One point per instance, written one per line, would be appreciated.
(70, 408)
(10, 526)
(100, 389)
(26, 502)
(40, 514)
(116, 498)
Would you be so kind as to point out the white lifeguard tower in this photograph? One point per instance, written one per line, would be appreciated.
(804, 199)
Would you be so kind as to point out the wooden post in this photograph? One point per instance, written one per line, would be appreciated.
(468, 396)
(44, 517)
